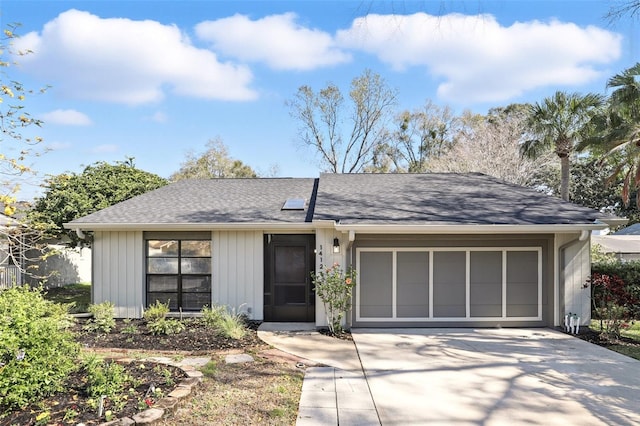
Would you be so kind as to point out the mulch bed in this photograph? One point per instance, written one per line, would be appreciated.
(600, 339)
(195, 339)
(73, 406)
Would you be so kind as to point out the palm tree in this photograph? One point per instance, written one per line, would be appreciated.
(618, 130)
(559, 123)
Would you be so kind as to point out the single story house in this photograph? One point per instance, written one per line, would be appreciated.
(624, 244)
(429, 249)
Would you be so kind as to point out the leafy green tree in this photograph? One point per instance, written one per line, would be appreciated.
(617, 129)
(352, 147)
(212, 164)
(559, 122)
(69, 196)
(594, 185)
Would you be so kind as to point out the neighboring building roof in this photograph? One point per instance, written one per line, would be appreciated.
(348, 199)
(212, 201)
(618, 243)
(441, 198)
(629, 230)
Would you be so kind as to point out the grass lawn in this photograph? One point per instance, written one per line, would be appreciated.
(629, 348)
(78, 294)
(256, 393)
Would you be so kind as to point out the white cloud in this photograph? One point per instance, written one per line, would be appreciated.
(158, 117)
(480, 60)
(276, 40)
(68, 117)
(105, 149)
(125, 61)
(58, 146)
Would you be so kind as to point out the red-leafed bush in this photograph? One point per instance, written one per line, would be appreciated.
(615, 303)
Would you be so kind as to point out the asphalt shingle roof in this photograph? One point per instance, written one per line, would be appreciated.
(368, 199)
(440, 198)
(212, 201)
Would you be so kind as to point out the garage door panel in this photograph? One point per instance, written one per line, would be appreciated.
(375, 284)
(449, 284)
(522, 284)
(485, 284)
(412, 291)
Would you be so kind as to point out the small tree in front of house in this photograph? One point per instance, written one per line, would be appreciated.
(334, 287)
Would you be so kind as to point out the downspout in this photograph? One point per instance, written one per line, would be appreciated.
(80, 234)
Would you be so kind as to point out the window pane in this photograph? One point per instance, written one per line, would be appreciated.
(195, 301)
(196, 248)
(196, 284)
(196, 265)
(162, 248)
(162, 265)
(172, 298)
(290, 266)
(163, 283)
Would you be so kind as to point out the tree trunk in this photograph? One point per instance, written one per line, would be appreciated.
(564, 177)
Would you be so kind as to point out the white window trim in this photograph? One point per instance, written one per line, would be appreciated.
(431, 250)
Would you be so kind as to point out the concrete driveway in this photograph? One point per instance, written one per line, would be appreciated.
(496, 377)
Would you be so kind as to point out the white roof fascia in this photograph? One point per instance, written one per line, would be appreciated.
(306, 226)
(614, 221)
(469, 229)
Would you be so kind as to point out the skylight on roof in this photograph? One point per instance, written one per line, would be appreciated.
(293, 204)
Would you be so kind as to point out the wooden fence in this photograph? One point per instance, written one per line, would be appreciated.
(10, 276)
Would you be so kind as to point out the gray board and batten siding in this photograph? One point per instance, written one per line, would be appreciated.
(453, 281)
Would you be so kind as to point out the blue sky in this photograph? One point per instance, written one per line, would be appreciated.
(155, 79)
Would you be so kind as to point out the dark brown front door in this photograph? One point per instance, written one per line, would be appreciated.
(288, 292)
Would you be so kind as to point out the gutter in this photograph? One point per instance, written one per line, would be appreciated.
(469, 229)
(351, 229)
(247, 226)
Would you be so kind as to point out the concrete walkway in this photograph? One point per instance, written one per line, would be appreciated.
(334, 390)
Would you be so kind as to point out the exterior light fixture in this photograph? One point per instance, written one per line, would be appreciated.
(336, 245)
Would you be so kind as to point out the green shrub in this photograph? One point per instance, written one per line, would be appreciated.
(211, 316)
(37, 350)
(104, 378)
(103, 320)
(157, 311)
(232, 325)
(223, 322)
(166, 326)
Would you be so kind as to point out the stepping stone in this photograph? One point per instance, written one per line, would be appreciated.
(238, 358)
(194, 361)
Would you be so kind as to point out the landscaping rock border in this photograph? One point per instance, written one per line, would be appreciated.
(169, 403)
